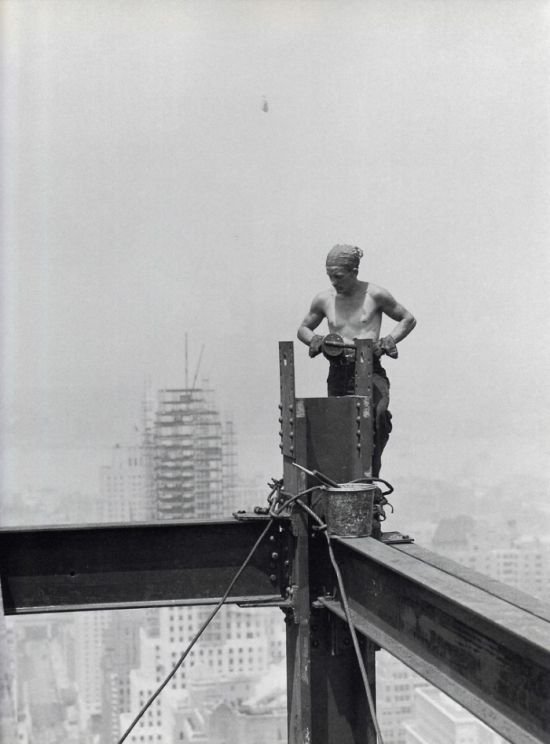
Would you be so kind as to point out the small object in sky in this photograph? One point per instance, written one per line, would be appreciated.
(265, 106)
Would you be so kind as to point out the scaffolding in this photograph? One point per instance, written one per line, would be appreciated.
(187, 446)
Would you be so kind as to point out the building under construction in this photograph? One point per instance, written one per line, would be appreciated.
(192, 456)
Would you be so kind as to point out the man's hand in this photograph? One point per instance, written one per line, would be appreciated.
(387, 346)
(315, 345)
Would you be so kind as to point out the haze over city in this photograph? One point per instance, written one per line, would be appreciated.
(174, 168)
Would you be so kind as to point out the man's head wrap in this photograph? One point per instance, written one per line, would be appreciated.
(344, 256)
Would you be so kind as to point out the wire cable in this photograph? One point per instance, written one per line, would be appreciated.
(345, 603)
(203, 627)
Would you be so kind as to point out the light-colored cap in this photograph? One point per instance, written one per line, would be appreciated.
(344, 255)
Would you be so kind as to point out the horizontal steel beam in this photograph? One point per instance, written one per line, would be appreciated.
(93, 567)
(488, 649)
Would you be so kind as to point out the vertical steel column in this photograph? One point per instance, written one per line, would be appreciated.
(340, 709)
(326, 699)
(298, 649)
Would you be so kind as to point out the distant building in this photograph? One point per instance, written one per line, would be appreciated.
(395, 693)
(439, 720)
(90, 629)
(121, 654)
(519, 562)
(47, 695)
(192, 456)
(525, 566)
(8, 698)
(123, 486)
(260, 719)
(233, 653)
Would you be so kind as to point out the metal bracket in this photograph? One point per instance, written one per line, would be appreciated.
(287, 413)
(340, 637)
(395, 538)
(279, 555)
(243, 516)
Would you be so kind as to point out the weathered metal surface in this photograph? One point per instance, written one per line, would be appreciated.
(491, 586)
(348, 510)
(137, 565)
(287, 417)
(363, 367)
(489, 654)
(339, 432)
(340, 711)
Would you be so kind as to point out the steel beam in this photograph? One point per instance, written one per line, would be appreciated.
(488, 649)
(56, 569)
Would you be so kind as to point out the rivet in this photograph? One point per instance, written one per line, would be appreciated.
(273, 578)
(274, 556)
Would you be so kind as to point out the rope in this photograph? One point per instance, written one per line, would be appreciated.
(203, 627)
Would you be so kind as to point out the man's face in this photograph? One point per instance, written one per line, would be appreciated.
(341, 278)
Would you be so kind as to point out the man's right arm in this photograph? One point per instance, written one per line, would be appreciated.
(306, 330)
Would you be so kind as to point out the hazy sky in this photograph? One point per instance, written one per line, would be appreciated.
(147, 193)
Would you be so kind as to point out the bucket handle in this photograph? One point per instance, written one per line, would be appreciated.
(369, 479)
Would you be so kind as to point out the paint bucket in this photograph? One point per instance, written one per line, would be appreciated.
(348, 510)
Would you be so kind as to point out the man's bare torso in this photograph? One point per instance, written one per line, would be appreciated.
(354, 316)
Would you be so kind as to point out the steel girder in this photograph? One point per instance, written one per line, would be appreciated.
(95, 567)
(482, 643)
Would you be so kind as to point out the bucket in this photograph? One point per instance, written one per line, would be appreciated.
(348, 510)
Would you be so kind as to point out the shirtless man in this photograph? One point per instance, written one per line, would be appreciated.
(354, 309)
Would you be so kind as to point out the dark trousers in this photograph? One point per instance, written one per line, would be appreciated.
(341, 381)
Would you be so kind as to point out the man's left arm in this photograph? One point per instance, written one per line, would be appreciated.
(394, 310)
